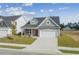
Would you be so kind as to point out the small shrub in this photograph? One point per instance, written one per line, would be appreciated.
(10, 38)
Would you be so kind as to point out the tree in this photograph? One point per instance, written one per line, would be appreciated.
(76, 26)
(73, 25)
(14, 28)
(62, 26)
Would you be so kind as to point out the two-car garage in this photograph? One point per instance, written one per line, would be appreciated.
(47, 33)
(49, 38)
(4, 32)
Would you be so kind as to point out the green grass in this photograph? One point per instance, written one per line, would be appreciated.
(67, 41)
(69, 51)
(13, 47)
(18, 40)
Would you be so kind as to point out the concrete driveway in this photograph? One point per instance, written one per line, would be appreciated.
(44, 46)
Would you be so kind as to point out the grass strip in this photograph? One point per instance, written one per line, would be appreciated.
(13, 47)
(70, 51)
(18, 40)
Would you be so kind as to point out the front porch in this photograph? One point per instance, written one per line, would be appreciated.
(31, 32)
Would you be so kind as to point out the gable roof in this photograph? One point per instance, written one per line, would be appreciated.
(2, 24)
(28, 25)
(40, 19)
(7, 20)
(56, 19)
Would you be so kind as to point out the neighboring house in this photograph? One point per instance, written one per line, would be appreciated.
(67, 28)
(6, 24)
(42, 27)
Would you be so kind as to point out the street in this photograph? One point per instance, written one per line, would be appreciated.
(17, 52)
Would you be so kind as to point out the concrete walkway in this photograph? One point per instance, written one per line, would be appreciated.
(69, 48)
(12, 44)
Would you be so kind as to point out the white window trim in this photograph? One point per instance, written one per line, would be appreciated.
(48, 22)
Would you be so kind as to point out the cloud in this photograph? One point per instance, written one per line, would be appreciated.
(16, 11)
(63, 8)
(77, 15)
(0, 6)
(54, 3)
(41, 10)
(13, 9)
(1, 12)
(27, 4)
(50, 10)
(7, 6)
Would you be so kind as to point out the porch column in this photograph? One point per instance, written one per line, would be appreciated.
(24, 32)
(21, 33)
(31, 32)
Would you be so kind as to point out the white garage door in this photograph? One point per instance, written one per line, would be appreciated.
(3, 33)
(48, 33)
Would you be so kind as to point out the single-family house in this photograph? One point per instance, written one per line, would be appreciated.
(46, 30)
(42, 27)
(6, 24)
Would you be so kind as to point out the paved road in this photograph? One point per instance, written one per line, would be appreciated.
(15, 52)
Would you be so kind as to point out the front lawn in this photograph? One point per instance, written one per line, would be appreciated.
(18, 40)
(12, 47)
(67, 41)
(69, 51)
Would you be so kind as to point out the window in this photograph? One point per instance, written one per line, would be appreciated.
(34, 22)
(48, 22)
(1, 19)
(1, 23)
(14, 23)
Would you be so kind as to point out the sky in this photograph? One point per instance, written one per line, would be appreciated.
(68, 12)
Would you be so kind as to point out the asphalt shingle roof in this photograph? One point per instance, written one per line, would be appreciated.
(56, 19)
(28, 25)
(7, 20)
(2, 24)
(40, 19)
